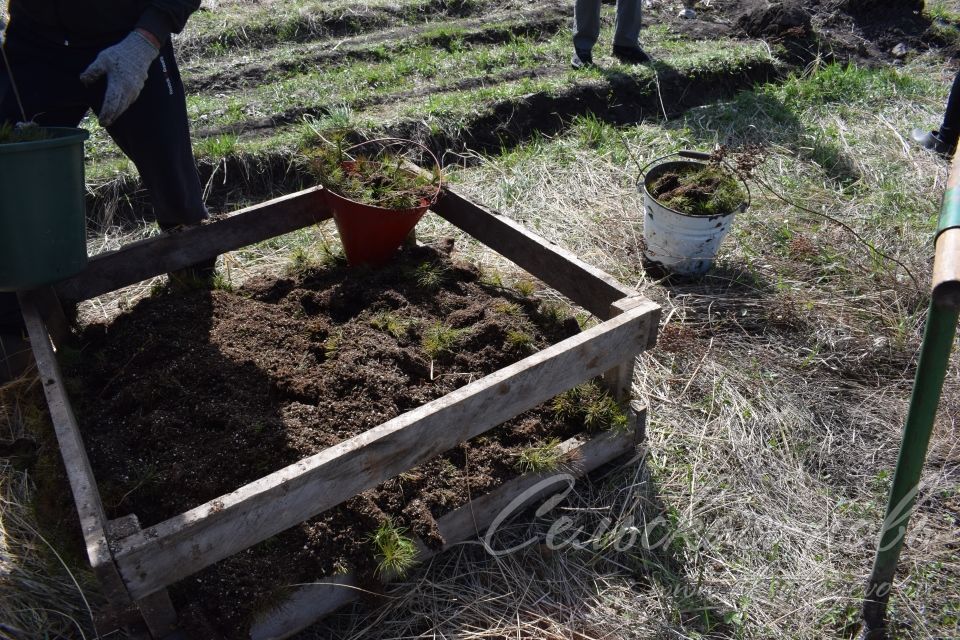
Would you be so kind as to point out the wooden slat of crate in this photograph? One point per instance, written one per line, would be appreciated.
(160, 555)
(168, 252)
(83, 485)
(586, 285)
(312, 602)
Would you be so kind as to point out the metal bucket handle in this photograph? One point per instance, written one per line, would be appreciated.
(393, 142)
(700, 155)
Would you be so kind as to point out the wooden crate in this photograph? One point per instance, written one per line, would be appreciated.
(136, 566)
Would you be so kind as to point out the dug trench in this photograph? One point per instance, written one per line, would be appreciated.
(191, 394)
(800, 32)
(618, 98)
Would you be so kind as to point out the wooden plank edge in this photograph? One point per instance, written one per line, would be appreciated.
(619, 380)
(310, 603)
(83, 485)
(589, 287)
(946, 270)
(157, 612)
(169, 551)
(145, 259)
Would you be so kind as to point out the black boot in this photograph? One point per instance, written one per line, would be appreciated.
(581, 59)
(630, 55)
(197, 276)
(933, 141)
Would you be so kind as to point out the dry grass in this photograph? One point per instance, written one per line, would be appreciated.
(777, 398)
(41, 595)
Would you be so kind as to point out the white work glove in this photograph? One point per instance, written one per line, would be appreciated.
(125, 65)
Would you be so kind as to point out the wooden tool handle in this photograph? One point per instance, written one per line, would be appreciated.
(946, 269)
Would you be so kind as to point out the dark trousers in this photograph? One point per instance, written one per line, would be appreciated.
(153, 132)
(950, 129)
(586, 24)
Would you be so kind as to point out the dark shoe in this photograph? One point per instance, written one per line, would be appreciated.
(630, 55)
(197, 276)
(202, 275)
(581, 59)
(932, 141)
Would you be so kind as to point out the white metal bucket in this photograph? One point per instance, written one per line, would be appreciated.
(676, 241)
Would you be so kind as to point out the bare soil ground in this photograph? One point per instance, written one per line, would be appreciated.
(190, 395)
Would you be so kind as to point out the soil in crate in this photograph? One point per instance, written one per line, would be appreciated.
(190, 395)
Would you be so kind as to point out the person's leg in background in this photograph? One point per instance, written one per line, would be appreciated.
(626, 40)
(52, 96)
(944, 139)
(586, 31)
(155, 134)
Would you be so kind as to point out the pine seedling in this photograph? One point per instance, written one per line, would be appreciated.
(395, 552)
(440, 338)
(542, 458)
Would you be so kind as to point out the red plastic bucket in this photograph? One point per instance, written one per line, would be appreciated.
(370, 234)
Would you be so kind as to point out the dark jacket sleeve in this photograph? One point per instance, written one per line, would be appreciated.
(164, 17)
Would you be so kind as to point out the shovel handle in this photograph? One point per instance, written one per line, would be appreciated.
(946, 269)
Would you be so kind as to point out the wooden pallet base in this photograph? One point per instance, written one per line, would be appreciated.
(135, 567)
(311, 603)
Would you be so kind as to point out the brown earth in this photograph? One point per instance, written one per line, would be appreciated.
(862, 30)
(190, 395)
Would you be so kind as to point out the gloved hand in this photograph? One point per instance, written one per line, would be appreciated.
(125, 65)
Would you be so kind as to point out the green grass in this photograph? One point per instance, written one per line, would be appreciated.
(430, 276)
(216, 148)
(944, 10)
(391, 323)
(518, 340)
(848, 84)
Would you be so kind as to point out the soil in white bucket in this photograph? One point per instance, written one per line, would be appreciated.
(688, 210)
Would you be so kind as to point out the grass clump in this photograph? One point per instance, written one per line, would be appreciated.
(382, 180)
(331, 346)
(440, 338)
(508, 309)
(552, 313)
(526, 288)
(592, 405)
(300, 261)
(545, 457)
(395, 552)
(700, 190)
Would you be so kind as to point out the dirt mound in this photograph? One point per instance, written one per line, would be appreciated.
(776, 21)
(190, 395)
(861, 30)
(870, 7)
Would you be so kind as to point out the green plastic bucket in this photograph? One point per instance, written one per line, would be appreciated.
(42, 210)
